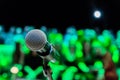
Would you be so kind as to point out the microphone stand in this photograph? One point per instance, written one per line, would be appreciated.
(46, 68)
(47, 71)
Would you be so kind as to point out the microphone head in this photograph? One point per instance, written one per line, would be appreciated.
(35, 39)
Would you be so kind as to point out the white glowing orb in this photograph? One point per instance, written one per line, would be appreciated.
(14, 70)
(97, 14)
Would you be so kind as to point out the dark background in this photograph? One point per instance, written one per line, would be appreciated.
(60, 13)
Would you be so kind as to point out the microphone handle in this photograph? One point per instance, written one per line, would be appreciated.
(47, 71)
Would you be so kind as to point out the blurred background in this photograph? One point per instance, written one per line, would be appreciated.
(86, 34)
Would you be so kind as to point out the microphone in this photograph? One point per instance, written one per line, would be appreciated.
(36, 40)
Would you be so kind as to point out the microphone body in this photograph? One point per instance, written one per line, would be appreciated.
(36, 40)
(48, 52)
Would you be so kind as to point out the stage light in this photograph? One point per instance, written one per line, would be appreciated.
(97, 14)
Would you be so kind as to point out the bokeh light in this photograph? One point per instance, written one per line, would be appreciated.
(84, 54)
(97, 14)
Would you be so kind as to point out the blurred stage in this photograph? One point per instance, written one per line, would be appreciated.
(89, 47)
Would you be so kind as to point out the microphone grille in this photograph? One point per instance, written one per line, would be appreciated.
(35, 39)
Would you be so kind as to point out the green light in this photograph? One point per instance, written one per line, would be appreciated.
(32, 74)
(10, 49)
(39, 70)
(77, 76)
(72, 41)
(82, 66)
(97, 46)
(4, 62)
(55, 38)
(66, 52)
(69, 73)
(115, 56)
(101, 73)
(21, 40)
(105, 40)
(2, 78)
(118, 72)
(52, 37)
(24, 48)
(5, 75)
(79, 54)
(19, 66)
(20, 74)
(73, 50)
(98, 64)
(6, 53)
(96, 43)
(113, 47)
(118, 42)
(56, 70)
(59, 37)
(80, 32)
(79, 48)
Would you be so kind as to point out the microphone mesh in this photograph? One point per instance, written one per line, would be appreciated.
(35, 39)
